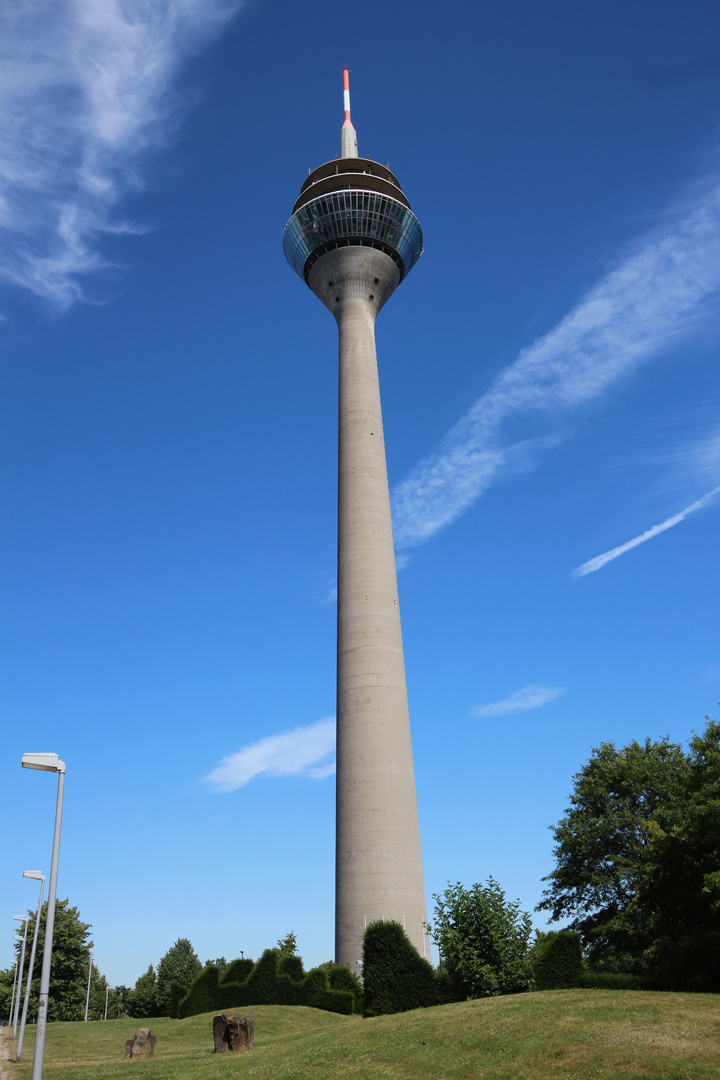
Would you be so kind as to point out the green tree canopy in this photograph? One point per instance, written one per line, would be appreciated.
(483, 940)
(142, 1001)
(602, 846)
(69, 970)
(679, 894)
(287, 946)
(180, 965)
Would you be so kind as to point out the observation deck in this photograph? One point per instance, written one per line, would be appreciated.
(352, 202)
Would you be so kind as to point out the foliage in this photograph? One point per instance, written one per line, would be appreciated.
(267, 983)
(615, 980)
(638, 861)
(483, 940)
(142, 1000)
(395, 977)
(220, 963)
(556, 960)
(180, 964)
(341, 977)
(680, 892)
(237, 971)
(602, 847)
(69, 971)
(287, 946)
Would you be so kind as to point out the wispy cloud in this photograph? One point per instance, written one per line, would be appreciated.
(599, 561)
(656, 292)
(87, 89)
(530, 697)
(305, 751)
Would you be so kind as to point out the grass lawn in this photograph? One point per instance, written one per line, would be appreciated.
(556, 1035)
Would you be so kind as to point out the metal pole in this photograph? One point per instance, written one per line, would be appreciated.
(37, 1068)
(30, 974)
(107, 991)
(20, 975)
(12, 1000)
(87, 996)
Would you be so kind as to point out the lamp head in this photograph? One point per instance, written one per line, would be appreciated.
(44, 762)
(36, 875)
(20, 918)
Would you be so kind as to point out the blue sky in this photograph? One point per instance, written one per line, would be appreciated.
(168, 437)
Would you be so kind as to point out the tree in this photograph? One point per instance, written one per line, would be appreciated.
(142, 1000)
(180, 965)
(483, 940)
(679, 894)
(70, 959)
(603, 843)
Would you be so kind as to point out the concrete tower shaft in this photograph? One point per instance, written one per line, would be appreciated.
(353, 238)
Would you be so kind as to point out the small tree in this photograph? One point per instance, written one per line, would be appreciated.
(180, 964)
(70, 959)
(287, 946)
(483, 940)
(142, 1000)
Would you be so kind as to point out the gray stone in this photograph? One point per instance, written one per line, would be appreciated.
(142, 1045)
(232, 1033)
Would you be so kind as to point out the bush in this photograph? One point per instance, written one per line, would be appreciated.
(395, 976)
(483, 940)
(267, 983)
(342, 978)
(238, 971)
(615, 980)
(556, 960)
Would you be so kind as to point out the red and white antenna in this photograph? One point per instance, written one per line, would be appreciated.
(348, 135)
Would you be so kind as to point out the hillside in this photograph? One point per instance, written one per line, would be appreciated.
(563, 1035)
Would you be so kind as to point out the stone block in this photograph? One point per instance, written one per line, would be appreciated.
(232, 1033)
(142, 1045)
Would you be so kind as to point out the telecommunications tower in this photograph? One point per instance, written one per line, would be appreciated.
(353, 238)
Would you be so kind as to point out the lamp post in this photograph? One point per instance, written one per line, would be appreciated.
(20, 918)
(12, 1000)
(87, 996)
(35, 875)
(47, 763)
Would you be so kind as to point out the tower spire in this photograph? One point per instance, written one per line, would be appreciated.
(348, 135)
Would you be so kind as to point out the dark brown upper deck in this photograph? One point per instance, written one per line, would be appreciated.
(350, 173)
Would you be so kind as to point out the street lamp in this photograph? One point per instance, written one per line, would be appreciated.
(47, 763)
(87, 996)
(20, 918)
(36, 875)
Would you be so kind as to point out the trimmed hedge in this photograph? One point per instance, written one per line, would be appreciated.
(267, 983)
(395, 976)
(557, 961)
(616, 980)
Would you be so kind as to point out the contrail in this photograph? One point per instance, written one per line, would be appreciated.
(88, 89)
(599, 561)
(655, 293)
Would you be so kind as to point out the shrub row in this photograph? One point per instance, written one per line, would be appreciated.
(271, 981)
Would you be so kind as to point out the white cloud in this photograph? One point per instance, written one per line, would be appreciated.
(654, 294)
(599, 561)
(87, 89)
(302, 752)
(530, 697)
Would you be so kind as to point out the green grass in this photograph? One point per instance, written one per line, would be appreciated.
(556, 1035)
